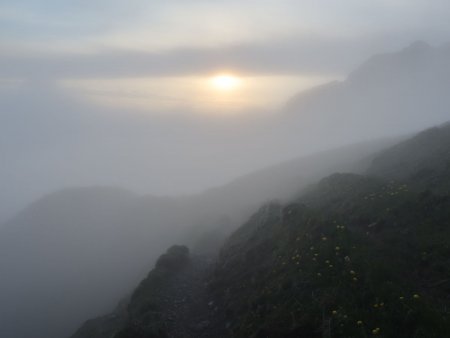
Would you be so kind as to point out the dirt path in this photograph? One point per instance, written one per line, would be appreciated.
(191, 312)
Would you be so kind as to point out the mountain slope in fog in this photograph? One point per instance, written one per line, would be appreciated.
(94, 244)
(355, 255)
(424, 160)
(389, 94)
(72, 252)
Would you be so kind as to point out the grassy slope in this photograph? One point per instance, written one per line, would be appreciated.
(356, 256)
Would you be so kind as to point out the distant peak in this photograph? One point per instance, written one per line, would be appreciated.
(417, 46)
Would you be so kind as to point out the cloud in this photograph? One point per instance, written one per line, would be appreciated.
(146, 25)
(314, 55)
(100, 38)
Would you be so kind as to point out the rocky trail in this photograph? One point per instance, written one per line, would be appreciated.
(190, 310)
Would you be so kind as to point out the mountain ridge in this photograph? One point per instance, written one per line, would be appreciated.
(389, 93)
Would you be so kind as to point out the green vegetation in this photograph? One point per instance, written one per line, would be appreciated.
(375, 263)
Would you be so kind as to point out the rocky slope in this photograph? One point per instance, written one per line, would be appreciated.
(173, 301)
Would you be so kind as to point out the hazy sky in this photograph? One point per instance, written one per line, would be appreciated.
(160, 54)
(126, 92)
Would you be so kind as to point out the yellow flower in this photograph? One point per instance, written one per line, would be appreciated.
(338, 248)
(376, 330)
(334, 312)
(355, 279)
(324, 238)
(359, 322)
(401, 298)
(416, 296)
(352, 272)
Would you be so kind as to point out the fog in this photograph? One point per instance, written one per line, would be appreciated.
(103, 167)
(56, 138)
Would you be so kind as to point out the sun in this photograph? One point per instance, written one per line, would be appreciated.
(225, 82)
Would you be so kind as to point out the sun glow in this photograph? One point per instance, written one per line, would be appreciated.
(211, 93)
(225, 82)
